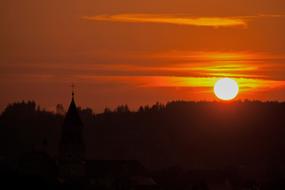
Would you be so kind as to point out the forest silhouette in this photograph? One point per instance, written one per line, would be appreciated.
(184, 134)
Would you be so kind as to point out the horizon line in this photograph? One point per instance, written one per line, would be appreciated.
(150, 105)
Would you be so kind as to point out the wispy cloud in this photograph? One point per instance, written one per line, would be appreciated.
(206, 83)
(170, 19)
(241, 21)
(252, 70)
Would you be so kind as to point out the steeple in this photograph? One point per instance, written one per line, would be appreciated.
(72, 118)
(72, 145)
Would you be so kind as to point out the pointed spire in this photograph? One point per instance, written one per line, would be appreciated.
(73, 87)
(72, 116)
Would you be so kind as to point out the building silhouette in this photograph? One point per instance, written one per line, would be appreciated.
(72, 147)
(75, 169)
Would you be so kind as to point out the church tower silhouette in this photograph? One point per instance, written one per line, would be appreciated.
(72, 147)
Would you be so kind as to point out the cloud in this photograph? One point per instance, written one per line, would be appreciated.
(176, 68)
(205, 83)
(237, 64)
(170, 19)
(241, 21)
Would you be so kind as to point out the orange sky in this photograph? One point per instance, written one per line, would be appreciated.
(139, 52)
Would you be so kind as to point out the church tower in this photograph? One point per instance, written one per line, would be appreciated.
(72, 148)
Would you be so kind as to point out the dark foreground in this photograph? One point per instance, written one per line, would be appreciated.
(181, 145)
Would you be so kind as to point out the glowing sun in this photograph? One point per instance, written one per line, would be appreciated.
(226, 89)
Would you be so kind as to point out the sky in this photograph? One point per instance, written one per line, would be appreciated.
(139, 52)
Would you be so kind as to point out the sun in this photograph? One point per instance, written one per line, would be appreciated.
(226, 89)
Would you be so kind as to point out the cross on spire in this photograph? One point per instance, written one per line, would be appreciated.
(73, 87)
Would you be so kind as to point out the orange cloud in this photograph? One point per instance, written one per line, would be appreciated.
(207, 83)
(171, 19)
(252, 70)
(239, 21)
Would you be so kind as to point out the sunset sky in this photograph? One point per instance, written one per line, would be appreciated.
(139, 52)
